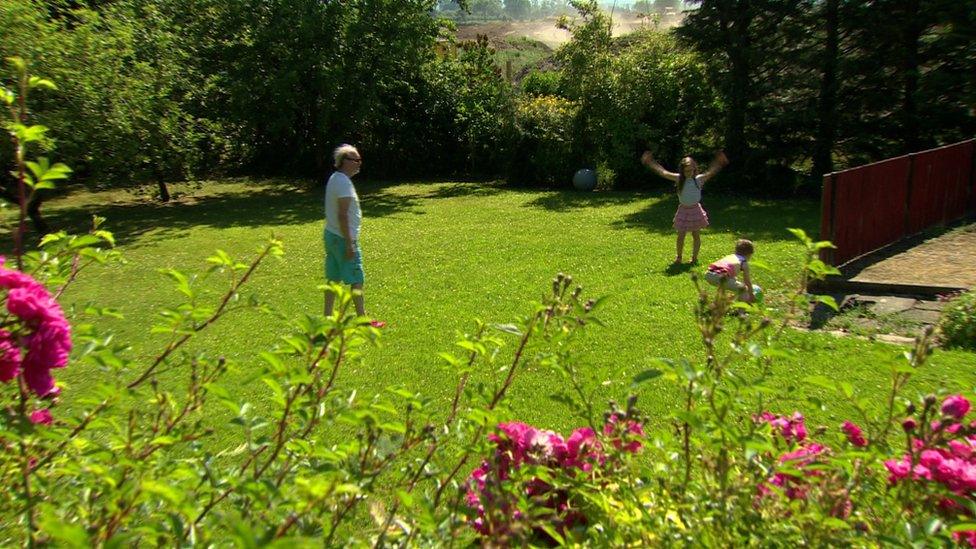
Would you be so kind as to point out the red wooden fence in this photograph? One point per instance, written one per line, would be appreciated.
(870, 206)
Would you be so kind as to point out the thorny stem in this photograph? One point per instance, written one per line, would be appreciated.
(221, 309)
(434, 445)
(20, 116)
(26, 467)
(491, 406)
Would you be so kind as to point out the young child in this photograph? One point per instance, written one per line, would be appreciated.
(690, 216)
(724, 272)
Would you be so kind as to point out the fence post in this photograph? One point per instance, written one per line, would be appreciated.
(908, 195)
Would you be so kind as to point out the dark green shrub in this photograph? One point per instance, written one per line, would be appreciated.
(538, 83)
(958, 323)
(644, 91)
(544, 141)
(661, 98)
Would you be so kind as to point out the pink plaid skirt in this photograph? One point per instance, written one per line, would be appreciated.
(690, 218)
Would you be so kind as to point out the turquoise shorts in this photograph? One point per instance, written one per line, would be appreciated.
(337, 267)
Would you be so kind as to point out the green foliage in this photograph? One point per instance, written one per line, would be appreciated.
(538, 83)
(661, 97)
(314, 461)
(645, 92)
(958, 322)
(264, 86)
(143, 130)
(543, 151)
(850, 82)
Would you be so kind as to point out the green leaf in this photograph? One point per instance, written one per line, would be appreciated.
(272, 359)
(220, 257)
(394, 427)
(38, 82)
(18, 63)
(834, 522)
(182, 281)
(29, 134)
(800, 235)
(405, 498)
(821, 381)
(508, 328)
(551, 531)
(107, 236)
(168, 493)
(64, 533)
(827, 300)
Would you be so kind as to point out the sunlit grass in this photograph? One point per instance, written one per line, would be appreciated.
(438, 255)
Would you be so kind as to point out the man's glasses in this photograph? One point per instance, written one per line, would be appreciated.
(354, 159)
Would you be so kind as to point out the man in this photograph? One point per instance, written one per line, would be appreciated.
(343, 218)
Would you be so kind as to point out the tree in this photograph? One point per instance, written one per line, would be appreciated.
(827, 102)
(518, 9)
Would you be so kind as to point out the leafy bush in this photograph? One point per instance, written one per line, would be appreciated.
(645, 92)
(958, 322)
(137, 463)
(662, 99)
(540, 83)
(543, 151)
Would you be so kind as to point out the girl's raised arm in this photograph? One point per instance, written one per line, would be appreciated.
(720, 161)
(647, 159)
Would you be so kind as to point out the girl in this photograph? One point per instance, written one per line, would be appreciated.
(690, 217)
(724, 273)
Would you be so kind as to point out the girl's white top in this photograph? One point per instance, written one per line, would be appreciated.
(690, 192)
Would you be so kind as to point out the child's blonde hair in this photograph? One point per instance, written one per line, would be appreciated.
(744, 247)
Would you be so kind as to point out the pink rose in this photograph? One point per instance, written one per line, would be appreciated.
(854, 434)
(41, 417)
(956, 406)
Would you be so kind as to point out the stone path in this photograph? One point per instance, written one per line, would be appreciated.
(945, 260)
(916, 274)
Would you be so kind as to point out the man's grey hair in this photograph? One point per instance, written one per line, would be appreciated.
(341, 152)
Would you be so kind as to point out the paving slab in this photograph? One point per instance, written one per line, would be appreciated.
(926, 305)
(888, 305)
(921, 315)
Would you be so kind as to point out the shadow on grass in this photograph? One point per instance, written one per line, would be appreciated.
(274, 204)
(133, 220)
(756, 220)
(378, 199)
(675, 269)
(565, 201)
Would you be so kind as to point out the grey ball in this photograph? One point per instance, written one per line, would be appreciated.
(585, 179)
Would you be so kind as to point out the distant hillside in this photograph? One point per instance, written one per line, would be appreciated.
(545, 30)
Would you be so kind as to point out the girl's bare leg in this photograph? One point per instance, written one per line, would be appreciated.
(680, 245)
(695, 245)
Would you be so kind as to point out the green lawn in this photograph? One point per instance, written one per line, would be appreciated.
(439, 255)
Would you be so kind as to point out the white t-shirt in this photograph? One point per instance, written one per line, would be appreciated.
(340, 186)
(691, 192)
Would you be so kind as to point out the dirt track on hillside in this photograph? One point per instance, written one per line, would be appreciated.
(544, 30)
